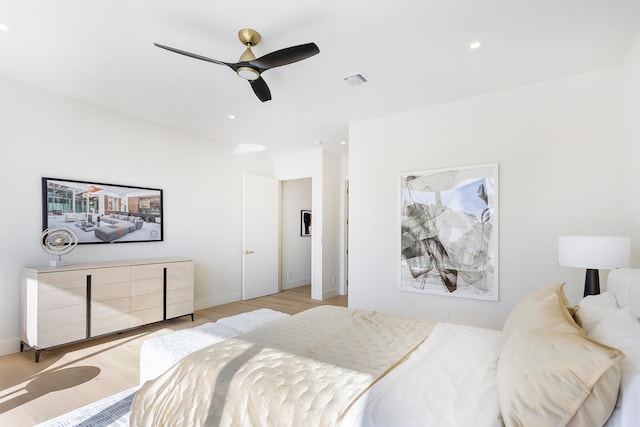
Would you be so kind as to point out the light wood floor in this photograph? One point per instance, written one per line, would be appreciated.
(72, 376)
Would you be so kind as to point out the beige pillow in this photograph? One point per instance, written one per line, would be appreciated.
(551, 374)
(527, 305)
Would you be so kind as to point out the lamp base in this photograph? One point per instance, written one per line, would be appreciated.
(592, 282)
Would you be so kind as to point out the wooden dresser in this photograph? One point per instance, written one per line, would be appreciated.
(61, 305)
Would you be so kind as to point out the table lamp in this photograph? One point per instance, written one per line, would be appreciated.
(593, 253)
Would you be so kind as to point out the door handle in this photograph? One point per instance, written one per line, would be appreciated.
(247, 252)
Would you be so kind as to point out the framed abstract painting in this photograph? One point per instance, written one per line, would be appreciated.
(449, 231)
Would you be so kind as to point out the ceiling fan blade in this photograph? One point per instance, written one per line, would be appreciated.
(196, 56)
(261, 89)
(284, 56)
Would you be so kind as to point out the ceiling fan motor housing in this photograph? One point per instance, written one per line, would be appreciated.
(248, 73)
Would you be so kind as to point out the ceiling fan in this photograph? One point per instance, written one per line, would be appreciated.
(249, 67)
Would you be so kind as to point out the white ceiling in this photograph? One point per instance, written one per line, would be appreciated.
(413, 52)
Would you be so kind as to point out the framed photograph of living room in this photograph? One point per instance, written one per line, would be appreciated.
(103, 213)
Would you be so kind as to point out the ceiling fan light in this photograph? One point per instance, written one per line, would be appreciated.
(248, 73)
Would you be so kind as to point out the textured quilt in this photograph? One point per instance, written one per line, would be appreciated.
(307, 369)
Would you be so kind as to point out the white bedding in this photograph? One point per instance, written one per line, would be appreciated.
(159, 353)
(439, 385)
(303, 370)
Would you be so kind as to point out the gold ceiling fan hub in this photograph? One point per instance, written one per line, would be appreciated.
(249, 37)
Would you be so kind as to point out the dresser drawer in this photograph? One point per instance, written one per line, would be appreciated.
(110, 291)
(107, 325)
(143, 317)
(48, 282)
(179, 309)
(60, 317)
(152, 271)
(179, 268)
(103, 276)
(180, 282)
(146, 286)
(142, 302)
(62, 298)
(49, 337)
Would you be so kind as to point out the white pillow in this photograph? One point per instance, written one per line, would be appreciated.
(621, 330)
(623, 286)
(594, 308)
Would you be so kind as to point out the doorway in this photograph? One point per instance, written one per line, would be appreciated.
(296, 233)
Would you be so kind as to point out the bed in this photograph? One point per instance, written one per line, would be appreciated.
(365, 368)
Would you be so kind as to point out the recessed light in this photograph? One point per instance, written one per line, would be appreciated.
(343, 142)
(6, 29)
(249, 148)
(475, 44)
(231, 116)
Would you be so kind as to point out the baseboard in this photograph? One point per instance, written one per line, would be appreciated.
(330, 293)
(219, 300)
(9, 346)
(295, 284)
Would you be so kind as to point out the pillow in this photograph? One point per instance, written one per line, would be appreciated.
(594, 308)
(527, 306)
(622, 331)
(550, 373)
(623, 286)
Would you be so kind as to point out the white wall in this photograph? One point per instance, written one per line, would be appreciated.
(560, 148)
(43, 134)
(296, 249)
(631, 68)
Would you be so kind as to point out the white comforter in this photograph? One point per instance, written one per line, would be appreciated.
(364, 369)
(449, 381)
(304, 370)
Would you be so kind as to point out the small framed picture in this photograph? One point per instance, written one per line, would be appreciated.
(305, 223)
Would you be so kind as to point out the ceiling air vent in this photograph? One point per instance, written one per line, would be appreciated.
(355, 79)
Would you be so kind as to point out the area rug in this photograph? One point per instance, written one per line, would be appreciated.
(111, 411)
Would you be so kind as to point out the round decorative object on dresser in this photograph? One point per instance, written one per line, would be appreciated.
(58, 241)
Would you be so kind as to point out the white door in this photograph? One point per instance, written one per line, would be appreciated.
(261, 231)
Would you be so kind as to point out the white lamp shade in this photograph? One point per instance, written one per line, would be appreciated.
(595, 252)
